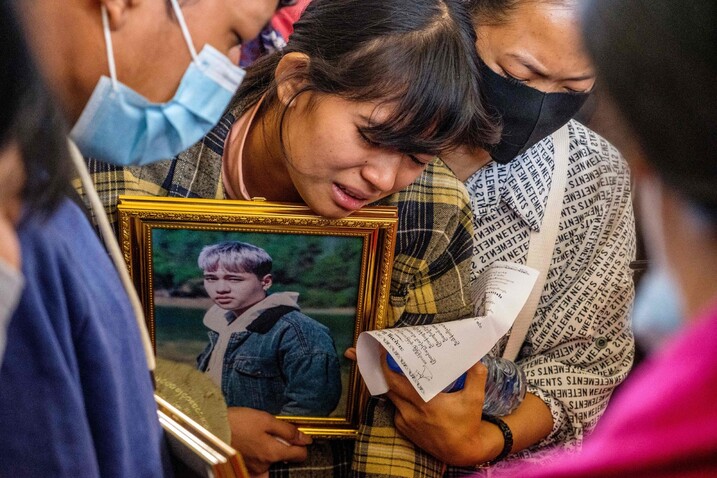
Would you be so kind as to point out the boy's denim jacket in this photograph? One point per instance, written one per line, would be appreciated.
(285, 363)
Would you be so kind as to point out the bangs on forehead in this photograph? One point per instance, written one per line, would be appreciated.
(431, 93)
(215, 263)
(236, 257)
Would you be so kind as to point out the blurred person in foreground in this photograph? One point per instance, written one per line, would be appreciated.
(658, 61)
(75, 393)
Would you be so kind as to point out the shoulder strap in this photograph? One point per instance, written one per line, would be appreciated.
(110, 242)
(542, 242)
(269, 318)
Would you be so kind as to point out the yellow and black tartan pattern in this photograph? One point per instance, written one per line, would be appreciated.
(381, 451)
(430, 279)
(429, 283)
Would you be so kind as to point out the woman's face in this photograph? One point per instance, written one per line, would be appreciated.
(332, 165)
(539, 45)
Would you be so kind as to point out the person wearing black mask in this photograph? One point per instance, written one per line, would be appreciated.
(578, 345)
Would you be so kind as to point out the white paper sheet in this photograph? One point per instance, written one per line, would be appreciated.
(433, 356)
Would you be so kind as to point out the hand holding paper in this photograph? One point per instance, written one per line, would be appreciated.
(432, 356)
(445, 424)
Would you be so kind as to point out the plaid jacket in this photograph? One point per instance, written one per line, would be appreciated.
(430, 279)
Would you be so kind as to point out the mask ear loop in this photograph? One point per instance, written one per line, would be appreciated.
(108, 46)
(108, 39)
(185, 31)
(113, 247)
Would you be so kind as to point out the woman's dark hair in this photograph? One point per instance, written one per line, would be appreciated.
(30, 119)
(497, 12)
(658, 62)
(417, 55)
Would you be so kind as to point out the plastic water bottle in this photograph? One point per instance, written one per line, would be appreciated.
(504, 387)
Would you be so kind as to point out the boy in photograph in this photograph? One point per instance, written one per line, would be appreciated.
(263, 352)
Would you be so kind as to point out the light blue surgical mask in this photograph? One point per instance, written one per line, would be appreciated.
(120, 126)
(657, 313)
(659, 307)
(11, 286)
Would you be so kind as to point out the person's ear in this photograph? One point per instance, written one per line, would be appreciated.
(289, 79)
(117, 11)
(266, 282)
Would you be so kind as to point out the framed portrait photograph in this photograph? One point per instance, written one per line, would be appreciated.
(263, 299)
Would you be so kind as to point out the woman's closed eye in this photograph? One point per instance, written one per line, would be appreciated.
(526, 82)
(515, 80)
(416, 160)
(413, 157)
(420, 161)
(577, 90)
(366, 139)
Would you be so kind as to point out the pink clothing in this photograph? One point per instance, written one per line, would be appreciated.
(664, 421)
(284, 19)
(232, 167)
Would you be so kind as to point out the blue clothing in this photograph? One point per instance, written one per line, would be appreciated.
(76, 398)
(284, 363)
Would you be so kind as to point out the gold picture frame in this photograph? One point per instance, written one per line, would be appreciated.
(194, 451)
(341, 268)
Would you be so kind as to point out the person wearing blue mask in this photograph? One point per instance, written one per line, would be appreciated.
(76, 397)
(125, 128)
(169, 77)
(657, 61)
(577, 344)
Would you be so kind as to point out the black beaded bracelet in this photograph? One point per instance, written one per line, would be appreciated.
(507, 437)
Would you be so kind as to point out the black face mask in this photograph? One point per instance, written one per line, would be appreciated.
(528, 115)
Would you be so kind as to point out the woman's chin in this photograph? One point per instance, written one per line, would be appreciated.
(330, 211)
(331, 208)
(335, 214)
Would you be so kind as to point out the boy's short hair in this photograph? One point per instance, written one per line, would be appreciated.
(235, 256)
